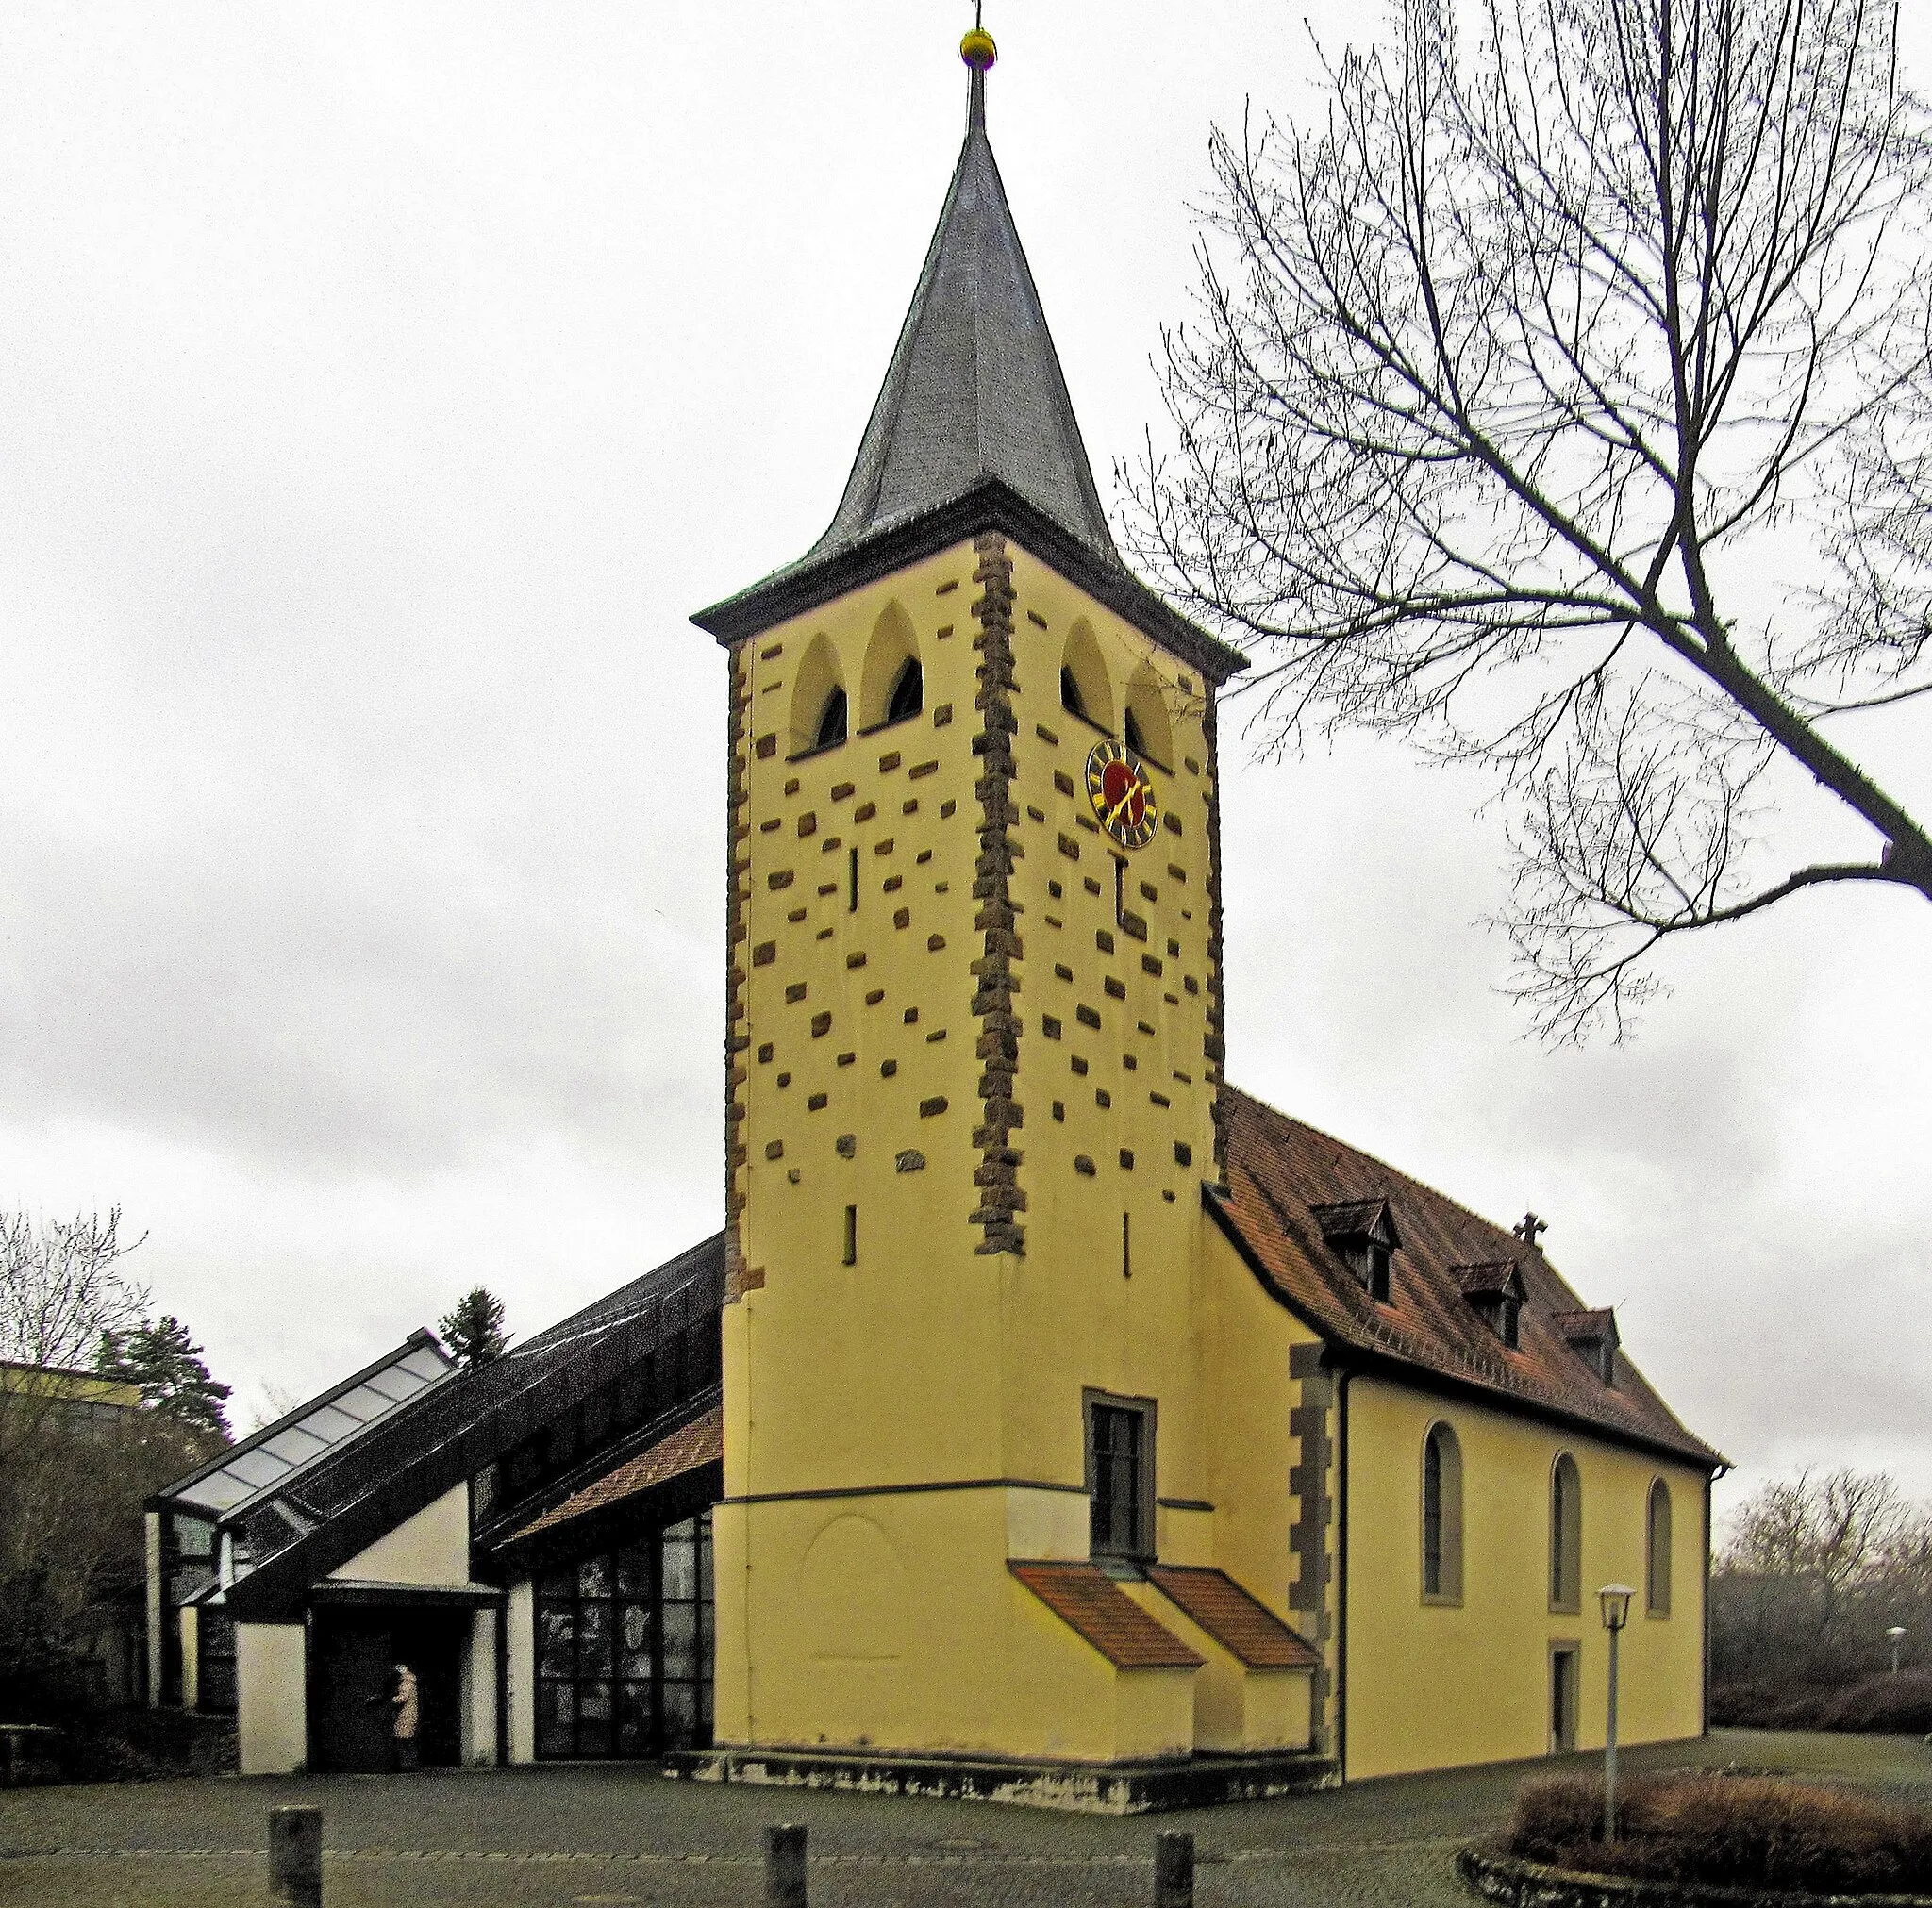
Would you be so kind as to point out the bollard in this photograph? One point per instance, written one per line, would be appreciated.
(1174, 1869)
(785, 1866)
(295, 1856)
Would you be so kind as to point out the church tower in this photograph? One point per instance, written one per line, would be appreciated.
(974, 1064)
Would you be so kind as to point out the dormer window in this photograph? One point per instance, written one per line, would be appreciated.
(1497, 1293)
(1369, 1260)
(1362, 1233)
(1592, 1335)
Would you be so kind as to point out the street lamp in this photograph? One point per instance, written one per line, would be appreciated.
(1895, 1636)
(1614, 1599)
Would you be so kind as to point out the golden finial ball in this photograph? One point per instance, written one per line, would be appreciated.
(978, 49)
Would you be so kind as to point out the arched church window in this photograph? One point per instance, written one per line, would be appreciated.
(831, 721)
(1656, 1548)
(1442, 1531)
(1133, 737)
(1070, 695)
(908, 692)
(1566, 1535)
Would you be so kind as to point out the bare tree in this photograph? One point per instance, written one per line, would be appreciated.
(61, 1285)
(1565, 403)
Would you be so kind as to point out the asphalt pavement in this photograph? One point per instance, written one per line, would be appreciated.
(623, 1837)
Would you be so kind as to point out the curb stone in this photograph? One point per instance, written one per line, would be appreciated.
(1516, 1883)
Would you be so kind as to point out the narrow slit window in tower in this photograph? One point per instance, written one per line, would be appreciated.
(851, 1236)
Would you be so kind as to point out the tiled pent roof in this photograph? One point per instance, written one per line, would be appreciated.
(1251, 1632)
(1279, 1170)
(1086, 1599)
(700, 1442)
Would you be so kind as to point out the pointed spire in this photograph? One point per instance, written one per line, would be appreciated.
(974, 389)
(973, 429)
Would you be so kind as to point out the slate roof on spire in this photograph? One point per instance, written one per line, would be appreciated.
(971, 430)
(974, 389)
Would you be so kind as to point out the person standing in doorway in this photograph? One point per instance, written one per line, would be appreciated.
(407, 1714)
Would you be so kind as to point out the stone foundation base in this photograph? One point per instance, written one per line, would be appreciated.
(1091, 1789)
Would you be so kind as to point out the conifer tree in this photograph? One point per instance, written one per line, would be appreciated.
(473, 1329)
(167, 1366)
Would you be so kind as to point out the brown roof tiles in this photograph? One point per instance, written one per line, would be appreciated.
(1281, 1174)
(1089, 1601)
(700, 1442)
(1251, 1632)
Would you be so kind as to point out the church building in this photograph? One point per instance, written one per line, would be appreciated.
(1052, 1421)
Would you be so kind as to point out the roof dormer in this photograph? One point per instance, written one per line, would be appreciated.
(1496, 1290)
(1592, 1335)
(1362, 1233)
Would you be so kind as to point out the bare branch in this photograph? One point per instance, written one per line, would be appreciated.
(1506, 384)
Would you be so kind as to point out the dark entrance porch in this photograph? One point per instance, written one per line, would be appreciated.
(356, 1642)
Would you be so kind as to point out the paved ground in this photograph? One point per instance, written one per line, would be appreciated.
(617, 1836)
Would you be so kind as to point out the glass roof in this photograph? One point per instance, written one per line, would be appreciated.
(274, 1456)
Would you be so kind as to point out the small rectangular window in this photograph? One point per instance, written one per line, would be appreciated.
(851, 882)
(1119, 1477)
(1563, 1699)
(851, 1235)
(1120, 892)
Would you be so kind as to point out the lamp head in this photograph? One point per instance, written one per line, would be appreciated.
(1615, 1601)
(1897, 1631)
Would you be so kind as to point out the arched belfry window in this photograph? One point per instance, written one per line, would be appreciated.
(1083, 688)
(821, 714)
(892, 685)
(1145, 727)
(1566, 1535)
(908, 692)
(1657, 1551)
(1442, 1515)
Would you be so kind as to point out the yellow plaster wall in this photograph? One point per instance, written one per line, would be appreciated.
(926, 1360)
(1429, 1685)
(431, 1547)
(907, 1632)
(1235, 1708)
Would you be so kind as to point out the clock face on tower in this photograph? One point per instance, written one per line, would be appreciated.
(1123, 796)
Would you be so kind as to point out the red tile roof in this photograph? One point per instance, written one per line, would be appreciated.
(1089, 1601)
(700, 1442)
(1251, 1632)
(1280, 1171)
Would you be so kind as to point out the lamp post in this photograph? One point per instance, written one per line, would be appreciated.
(1895, 1636)
(1614, 1599)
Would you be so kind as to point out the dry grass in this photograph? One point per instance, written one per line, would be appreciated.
(1738, 1830)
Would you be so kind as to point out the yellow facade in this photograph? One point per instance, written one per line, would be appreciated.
(928, 1361)
(1429, 1683)
(903, 1407)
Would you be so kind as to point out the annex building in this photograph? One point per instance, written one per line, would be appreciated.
(1051, 1419)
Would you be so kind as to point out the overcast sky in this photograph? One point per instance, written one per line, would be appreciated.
(381, 386)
